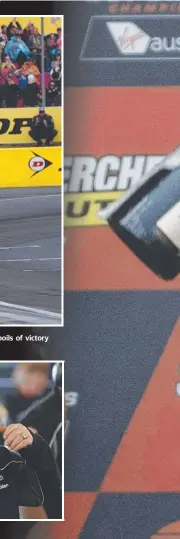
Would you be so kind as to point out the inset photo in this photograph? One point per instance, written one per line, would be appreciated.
(31, 440)
(31, 153)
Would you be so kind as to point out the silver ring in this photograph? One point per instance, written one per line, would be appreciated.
(23, 435)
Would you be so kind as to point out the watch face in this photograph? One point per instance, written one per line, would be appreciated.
(156, 208)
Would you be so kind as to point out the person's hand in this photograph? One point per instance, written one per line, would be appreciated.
(17, 437)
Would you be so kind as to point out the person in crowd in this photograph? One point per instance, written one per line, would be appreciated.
(30, 92)
(39, 97)
(12, 27)
(30, 68)
(29, 475)
(51, 46)
(2, 45)
(42, 127)
(17, 49)
(7, 63)
(22, 83)
(27, 32)
(20, 55)
(11, 92)
(58, 59)
(55, 72)
(34, 44)
(47, 61)
(59, 38)
(52, 94)
(2, 93)
(51, 41)
(3, 33)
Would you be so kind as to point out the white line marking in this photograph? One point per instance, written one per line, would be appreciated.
(29, 309)
(28, 197)
(20, 247)
(28, 259)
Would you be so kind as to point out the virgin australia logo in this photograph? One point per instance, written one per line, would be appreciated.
(129, 38)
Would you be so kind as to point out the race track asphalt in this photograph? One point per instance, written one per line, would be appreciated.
(30, 248)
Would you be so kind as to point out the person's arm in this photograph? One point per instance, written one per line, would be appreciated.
(39, 457)
(34, 122)
(18, 26)
(50, 121)
(9, 28)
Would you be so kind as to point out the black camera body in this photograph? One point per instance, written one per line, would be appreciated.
(147, 218)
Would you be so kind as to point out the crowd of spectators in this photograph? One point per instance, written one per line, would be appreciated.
(21, 66)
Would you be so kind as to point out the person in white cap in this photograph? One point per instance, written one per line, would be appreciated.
(42, 127)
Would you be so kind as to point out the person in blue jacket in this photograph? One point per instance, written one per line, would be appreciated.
(17, 49)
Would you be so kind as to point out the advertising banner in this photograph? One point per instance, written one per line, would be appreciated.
(29, 167)
(123, 43)
(133, 38)
(122, 133)
(15, 124)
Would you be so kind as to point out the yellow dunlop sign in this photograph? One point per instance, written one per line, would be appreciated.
(31, 167)
(15, 124)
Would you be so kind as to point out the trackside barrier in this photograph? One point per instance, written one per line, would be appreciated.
(31, 167)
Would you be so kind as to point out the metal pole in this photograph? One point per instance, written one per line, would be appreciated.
(42, 63)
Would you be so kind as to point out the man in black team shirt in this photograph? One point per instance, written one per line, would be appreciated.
(28, 474)
(35, 404)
